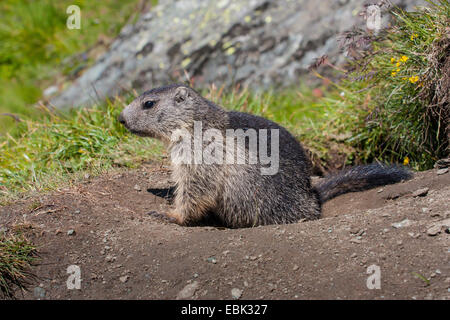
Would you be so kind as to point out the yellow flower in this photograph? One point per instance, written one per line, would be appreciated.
(413, 36)
(393, 73)
(414, 79)
(392, 60)
(406, 161)
(404, 59)
(398, 64)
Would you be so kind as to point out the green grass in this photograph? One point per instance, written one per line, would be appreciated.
(37, 48)
(394, 94)
(47, 152)
(17, 255)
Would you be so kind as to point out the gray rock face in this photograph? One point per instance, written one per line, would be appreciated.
(257, 43)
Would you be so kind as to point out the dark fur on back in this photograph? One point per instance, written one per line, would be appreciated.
(361, 178)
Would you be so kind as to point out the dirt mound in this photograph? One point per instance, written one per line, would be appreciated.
(103, 226)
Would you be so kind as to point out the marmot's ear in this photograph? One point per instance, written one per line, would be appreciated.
(181, 94)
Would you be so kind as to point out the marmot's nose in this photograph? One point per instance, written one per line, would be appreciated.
(121, 118)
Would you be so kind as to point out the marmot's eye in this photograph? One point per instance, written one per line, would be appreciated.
(148, 104)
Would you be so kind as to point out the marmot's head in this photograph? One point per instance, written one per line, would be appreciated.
(159, 112)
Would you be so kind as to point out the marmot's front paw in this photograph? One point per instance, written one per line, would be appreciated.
(162, 217)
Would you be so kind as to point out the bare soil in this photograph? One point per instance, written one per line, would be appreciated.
(103, 226)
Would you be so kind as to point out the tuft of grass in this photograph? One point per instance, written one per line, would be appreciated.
(17, 255)
(43, 153)
(394, 93)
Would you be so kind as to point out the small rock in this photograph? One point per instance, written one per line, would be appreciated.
(442, 171)
(39, 293)
(442, 163)
(420, 192)
(414, 235)
(401, 224)
(434, 230)
(71, 232)
(124, 279)
(438, 227)
(236, 293)
(188, 291)
(355, 240)
(295, 268)
(50, 91)
(137, 187)
(212, 260)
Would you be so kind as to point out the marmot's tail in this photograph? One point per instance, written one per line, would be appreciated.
(360, 178)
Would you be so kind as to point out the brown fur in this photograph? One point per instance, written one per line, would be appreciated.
(234, 195)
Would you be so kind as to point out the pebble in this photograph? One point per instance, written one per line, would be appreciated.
(71, 232)
(137, 187)
(110, 258)
(236, 293)
(39, 293)
(442, 171)
(438, 227)
(434, 230)
(124, 279)
(188, 291)
(295, 268)
(212, 260)
(420, 192)
(401, 224)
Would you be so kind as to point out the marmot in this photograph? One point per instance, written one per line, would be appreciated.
(239, 195)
